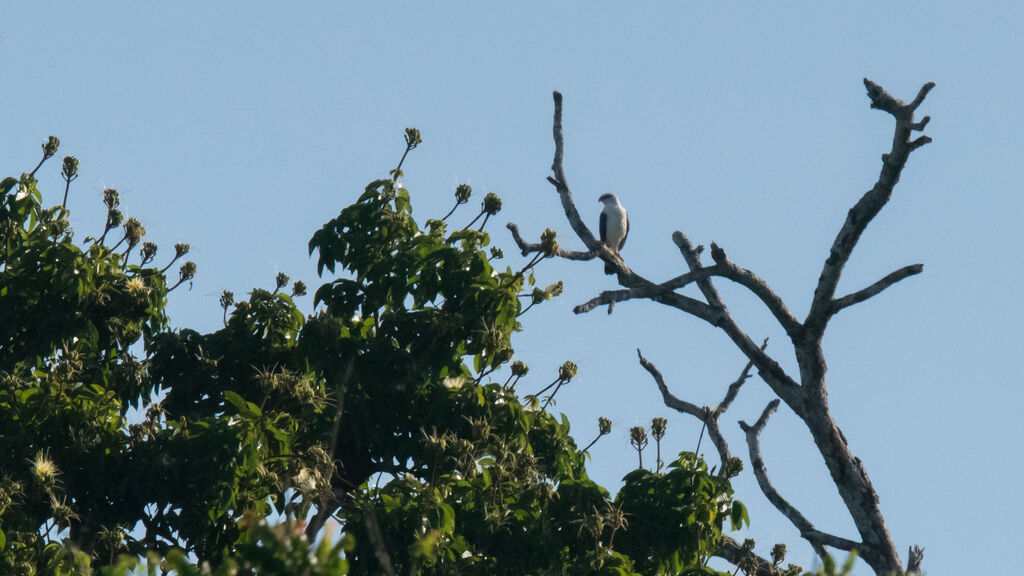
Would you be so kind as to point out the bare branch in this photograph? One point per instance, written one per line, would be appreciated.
(712, 316)
(854, 486)
(556, 128)
(690, 277)
(528, 248)
(706, 415)
(918, 126)
(921, 94)
(692, 258)
(770, 370)
(645, 289)
(815, 537)
(670, 399)
(723, 268)
(871, 202)
(610, 297)
(758, 286)
(636, 284)
(734, 388)
(560, 184)
(862, 295)
(734, 553)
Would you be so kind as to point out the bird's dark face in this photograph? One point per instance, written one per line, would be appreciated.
(606, 198)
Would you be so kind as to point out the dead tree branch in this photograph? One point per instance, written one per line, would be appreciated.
(806, 396)
(734, 553)
(862, 295)
(770, 371)
(703, 413)
(871, 203)
(818, 540)
(709, 416)
(533, 248)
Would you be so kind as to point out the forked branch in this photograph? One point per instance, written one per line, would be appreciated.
(709, 416)
(871, 203)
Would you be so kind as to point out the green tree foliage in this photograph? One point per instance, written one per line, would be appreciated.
(383, 413)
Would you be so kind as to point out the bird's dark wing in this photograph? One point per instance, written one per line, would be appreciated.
(603, 226)
(624, 236)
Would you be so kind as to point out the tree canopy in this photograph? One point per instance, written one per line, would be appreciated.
(381, 434)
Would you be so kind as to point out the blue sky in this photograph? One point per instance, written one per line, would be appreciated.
(242, 127)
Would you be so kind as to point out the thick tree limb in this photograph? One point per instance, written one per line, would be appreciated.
(725, 269)
(817, 539)
(862, 295)
(859, 496)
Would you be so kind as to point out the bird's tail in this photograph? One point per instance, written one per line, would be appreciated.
(609, 269)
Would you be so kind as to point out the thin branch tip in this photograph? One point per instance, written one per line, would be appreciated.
(919, 126)
(921, 94)
(919, 141)
(768, 411)
(718, 254)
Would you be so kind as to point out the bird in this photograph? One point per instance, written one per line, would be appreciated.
(614, 226)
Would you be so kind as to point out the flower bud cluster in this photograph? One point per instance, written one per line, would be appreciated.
(492, 204)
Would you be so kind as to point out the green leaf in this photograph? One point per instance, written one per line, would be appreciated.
(235, 398)
(848, 565)
(7, 184)
(245, 408)
(738, 516)
(828, 564)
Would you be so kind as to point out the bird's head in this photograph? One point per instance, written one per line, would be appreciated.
(608, 199)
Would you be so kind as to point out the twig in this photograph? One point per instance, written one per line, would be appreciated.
(706, 415)
(862, 295)
(473, 221)
(773, 374)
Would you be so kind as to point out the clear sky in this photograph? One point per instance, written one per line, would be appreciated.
(240, 127)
